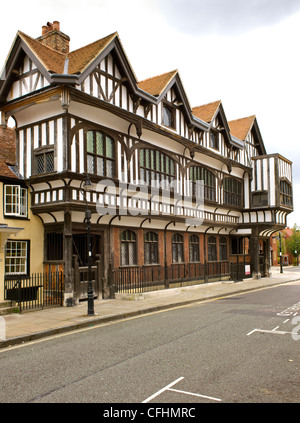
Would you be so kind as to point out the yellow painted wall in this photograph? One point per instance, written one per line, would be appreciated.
(33, 231)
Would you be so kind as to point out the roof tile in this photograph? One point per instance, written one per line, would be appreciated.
(7, 152)
(240, 128)
(156, 85)
(207, 111)
(54, 61)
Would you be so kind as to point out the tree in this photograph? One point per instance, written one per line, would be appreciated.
(293, 242)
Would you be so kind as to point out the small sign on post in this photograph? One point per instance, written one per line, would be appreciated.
(247, 269)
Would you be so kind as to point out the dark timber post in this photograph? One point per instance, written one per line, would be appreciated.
(68, 255)
(254, 251)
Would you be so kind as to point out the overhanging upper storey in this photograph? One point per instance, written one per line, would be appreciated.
(271, 185)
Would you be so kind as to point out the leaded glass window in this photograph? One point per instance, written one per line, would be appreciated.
(177, 248)
(232, 192)
(156, 168)
(44, 162)
(194, 248)
(100, 154)
(198, 173)
(212, 249)
(286, 195)
(128, 248)
(151, 248)
(168, 116)
(223, 248)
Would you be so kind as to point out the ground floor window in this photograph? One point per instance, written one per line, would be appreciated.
(212, 249)
(177, 248)
(16, 257)
(194, 248)
(223, 249)
(128, 248)
(151, 248)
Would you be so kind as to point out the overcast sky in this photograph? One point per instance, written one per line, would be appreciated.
(243, 52)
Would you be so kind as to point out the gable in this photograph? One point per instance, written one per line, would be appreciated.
(207, 112)
(246, 129)
(107, 82)
(27, 78)
(157, 84)
(213, 113)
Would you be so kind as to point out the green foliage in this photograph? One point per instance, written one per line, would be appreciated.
(293, 242)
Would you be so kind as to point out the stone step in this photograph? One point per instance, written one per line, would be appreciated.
(7, 307)
(4, 304)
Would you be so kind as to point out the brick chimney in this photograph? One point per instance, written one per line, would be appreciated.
(54, 38)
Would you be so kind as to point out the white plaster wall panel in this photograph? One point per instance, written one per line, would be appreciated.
(36, 136)
(102, 117)
(38, 112)
(26, 64)
(59, 145)
(265, 181)
(21, 152)
(28, 153)
(81, 151)
(246, 191)
(258, 175)
(272, 182)
(124, 97)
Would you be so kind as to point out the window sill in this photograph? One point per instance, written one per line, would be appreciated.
(15, 217)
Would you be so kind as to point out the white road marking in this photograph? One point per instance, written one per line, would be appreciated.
(278, 332)
(169, 388)
(286, 320)
(250, 333)
(196, 395)
(162, 390)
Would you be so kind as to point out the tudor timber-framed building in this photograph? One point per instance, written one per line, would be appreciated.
(85, 112)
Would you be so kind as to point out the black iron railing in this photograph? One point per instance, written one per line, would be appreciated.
(36, 291)
(138, 279)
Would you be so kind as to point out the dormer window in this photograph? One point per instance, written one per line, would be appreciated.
(168, 116)
(214, 140)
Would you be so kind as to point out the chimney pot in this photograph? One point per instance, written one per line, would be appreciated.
(56, 25)
(54, 38)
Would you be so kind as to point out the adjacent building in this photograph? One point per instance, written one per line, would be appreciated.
(21, 233)
(84, 113)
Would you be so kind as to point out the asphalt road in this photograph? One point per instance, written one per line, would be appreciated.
(243, 348)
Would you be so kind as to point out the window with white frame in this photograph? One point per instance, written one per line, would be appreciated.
(16, 257)
(15, 201)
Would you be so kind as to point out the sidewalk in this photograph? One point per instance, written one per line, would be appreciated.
(33, 325)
